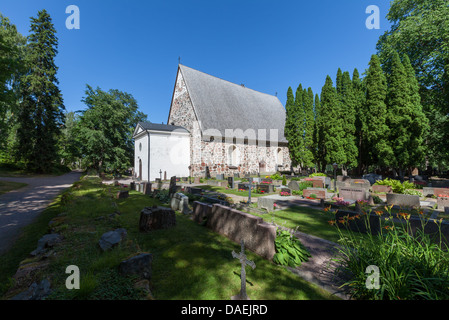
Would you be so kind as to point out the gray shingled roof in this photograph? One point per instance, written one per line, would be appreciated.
(161, 127)
(220, 105)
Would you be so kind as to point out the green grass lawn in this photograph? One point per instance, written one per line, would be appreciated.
(6, 186)
(189, 260)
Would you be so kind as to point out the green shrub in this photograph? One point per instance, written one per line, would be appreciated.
(318, 174)
(377, 200)
(396, 185)
(284, 181)
(289, 250)
(276, 176)
(305, 185)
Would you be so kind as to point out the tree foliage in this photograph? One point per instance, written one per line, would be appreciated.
(40, 116)
(105, 129)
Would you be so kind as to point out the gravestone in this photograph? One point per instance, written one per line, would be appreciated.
(442, 202)
(438, 191)
(320, 194)
(132, 185)
(372, 177)
(353, 194)
(156, 218)
(172, 187)
(236, 175)
(265, 187)
(207, 173)
(196, 180)
(219, 177)
(285, 192)
(147, 188)
(293, 185)
(403, 200)
(317, 183)
(122, 194)
(360, 184)
(180, 202)
(231, 182)
(193, 190)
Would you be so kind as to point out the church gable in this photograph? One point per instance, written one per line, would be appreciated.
(181, 109)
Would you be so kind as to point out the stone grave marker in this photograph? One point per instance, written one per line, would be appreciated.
(318, 183)
(293, 185)
(320, 194)
(353, 194)
(172, 187)
(155, 218)
(122, 194)
(266, 187)
(219, 177)
(438, 191)
(231, 182)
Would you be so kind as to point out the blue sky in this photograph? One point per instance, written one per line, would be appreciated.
(267, 45)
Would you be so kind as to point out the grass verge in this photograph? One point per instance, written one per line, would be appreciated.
(6, 186)
(190, 262)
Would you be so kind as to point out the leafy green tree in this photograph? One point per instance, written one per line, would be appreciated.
(40, 115)
(331, 125)
(69, 143)
(420, 29)
(375, 130)
(12, 48)
(105, 129)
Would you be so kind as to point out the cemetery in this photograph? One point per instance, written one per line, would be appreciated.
(228, 193)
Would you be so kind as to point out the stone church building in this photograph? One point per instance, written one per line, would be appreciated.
(214, 125)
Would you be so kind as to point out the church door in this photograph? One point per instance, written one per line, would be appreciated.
(140, 169)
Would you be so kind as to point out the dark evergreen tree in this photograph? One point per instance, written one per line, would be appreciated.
(309, 123)
(375, 130)
(41, 116)
(348, 104)
(318, 149)
(331, 124)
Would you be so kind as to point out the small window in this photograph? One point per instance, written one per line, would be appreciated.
(140, 146)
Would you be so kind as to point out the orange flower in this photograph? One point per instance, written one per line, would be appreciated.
(332, 222)
(388, 228)
(379, 212)
(327, 209)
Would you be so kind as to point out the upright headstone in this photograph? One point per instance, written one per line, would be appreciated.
(172, 187)
(231, 182)
(207, 172)
(219, 177)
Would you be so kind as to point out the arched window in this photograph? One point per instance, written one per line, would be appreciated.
(233, 156)
(279, 157)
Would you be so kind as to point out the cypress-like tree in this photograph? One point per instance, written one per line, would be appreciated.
(331, 124)
(348, 103)
(318, 150)
(419, 124)
(375, 130)
(41, 114)
(309, 123)
(358, 87)
(290, 131)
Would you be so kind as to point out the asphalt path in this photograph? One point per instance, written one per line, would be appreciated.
(20, 207)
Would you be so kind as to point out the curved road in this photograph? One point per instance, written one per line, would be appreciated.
(20, 207)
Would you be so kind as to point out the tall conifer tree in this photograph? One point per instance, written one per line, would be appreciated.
(348, 114)
(332, 127)
(41, 116)
(375, 130)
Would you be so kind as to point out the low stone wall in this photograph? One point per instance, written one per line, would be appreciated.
(258, 235)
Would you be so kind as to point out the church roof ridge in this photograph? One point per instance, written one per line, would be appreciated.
(233, 83)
